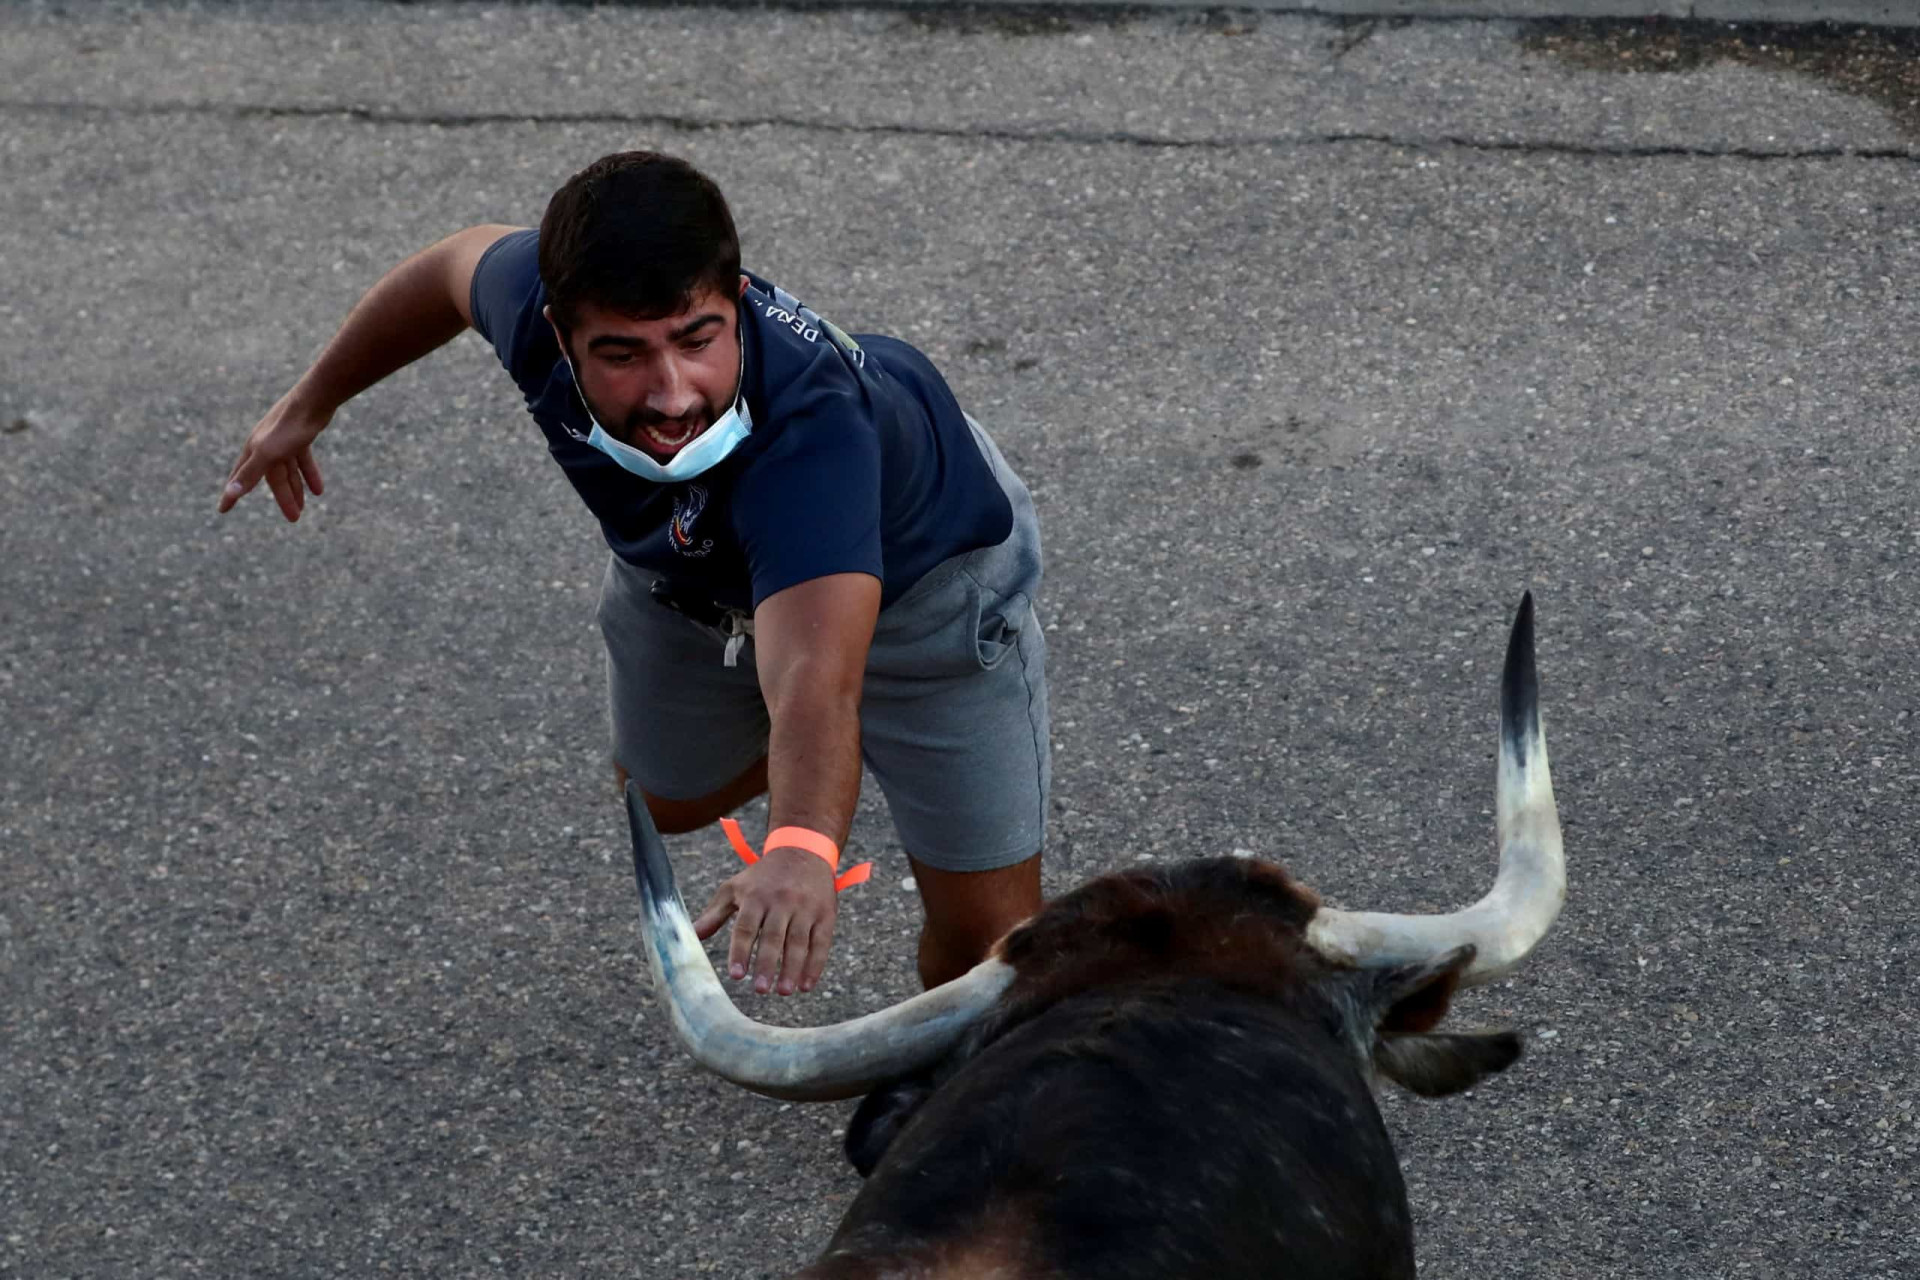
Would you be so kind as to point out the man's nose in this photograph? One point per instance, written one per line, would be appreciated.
(672, 394)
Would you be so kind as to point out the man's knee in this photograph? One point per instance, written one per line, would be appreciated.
(675, 817)
(967, 912)
(947, 952)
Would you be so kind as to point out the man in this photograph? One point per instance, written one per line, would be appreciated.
(816, 556)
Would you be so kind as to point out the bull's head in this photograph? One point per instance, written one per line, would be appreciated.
(1392, 974)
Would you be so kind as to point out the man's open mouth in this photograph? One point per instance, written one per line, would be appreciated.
(669, 437)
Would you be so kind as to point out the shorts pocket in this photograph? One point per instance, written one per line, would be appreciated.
(997, 624)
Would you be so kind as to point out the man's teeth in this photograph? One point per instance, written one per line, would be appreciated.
(670, 438)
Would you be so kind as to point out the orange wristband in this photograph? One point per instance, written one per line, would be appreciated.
(798, 838)
(801, 838)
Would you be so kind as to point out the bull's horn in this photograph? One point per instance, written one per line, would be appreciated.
(802, 1064)
(1510, 921)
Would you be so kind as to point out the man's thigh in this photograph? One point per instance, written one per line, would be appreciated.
(684, 724)
(954, 722)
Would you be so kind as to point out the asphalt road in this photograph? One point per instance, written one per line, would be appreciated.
(1318, 341)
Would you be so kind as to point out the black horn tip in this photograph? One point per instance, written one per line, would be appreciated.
(1519, 685)
(651, 867)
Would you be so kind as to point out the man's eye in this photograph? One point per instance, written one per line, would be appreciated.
(700, 344)
(618, 357)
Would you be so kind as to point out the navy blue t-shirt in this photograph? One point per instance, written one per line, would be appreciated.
(860, 460)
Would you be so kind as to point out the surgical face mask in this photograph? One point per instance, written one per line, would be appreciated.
(702, 453)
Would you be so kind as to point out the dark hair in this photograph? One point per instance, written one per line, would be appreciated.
(638, 233)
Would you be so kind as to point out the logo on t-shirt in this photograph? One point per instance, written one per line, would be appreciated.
(785, 309)
(687, 506)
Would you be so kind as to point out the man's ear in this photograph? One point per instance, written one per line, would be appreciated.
(744, 282)
(559, 334)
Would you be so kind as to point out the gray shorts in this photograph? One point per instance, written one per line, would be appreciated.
(953, 715)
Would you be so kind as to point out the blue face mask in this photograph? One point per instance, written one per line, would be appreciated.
(703, 453)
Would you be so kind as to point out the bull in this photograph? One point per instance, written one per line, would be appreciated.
(1167, 1072)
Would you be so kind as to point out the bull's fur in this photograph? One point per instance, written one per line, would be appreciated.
(1174, 1085)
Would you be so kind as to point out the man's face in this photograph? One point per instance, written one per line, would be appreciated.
(657, 384)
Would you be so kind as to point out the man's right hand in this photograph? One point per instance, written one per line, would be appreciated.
(280, 449)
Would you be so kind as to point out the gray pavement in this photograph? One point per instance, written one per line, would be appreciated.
(1890, 13)
(1318, 341)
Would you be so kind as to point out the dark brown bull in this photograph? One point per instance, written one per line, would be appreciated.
(1165, 1073)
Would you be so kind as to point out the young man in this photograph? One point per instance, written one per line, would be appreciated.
(816, 556)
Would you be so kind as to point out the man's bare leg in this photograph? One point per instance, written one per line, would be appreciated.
(675, 816)
(969, 911)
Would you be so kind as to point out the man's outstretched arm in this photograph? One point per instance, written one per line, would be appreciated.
(810, 646)
(417, 307)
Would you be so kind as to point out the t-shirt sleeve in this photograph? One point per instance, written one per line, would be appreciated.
(506, 301)
(810, 506)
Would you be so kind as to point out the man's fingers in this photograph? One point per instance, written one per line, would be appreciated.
(746, 928)
(240, 481)
(822, 942)
(295, 486)
(773, 947)
(719, 908)
(288, 475)
(780, 932)
(310, 468)
(246, 468)
(797, 961)
(283, 491)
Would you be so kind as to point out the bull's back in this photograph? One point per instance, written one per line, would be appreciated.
(1175, 1130)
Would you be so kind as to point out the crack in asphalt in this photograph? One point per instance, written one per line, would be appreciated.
(1363, 32)
(1078, 137)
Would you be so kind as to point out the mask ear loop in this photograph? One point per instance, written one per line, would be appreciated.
(573, 376)
(740, 340)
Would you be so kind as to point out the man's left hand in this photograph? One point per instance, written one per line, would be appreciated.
(786, 909)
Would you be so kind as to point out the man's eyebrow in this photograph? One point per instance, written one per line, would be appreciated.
(686, 330)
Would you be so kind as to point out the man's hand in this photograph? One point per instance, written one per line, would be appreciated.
(420, 305)
(785, 904)
(280, 449)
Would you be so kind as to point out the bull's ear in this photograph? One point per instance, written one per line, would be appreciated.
(1436, 1065)
(1408, 1002)
(1414, 997)
(879, 1119)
